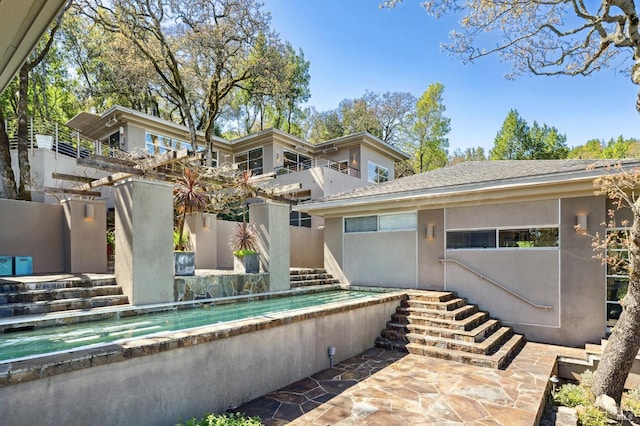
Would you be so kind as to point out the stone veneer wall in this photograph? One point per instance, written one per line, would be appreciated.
(209, 286)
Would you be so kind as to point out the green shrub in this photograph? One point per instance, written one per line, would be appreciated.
(586, 379)
(571, 395)
(592, 416)
(227, 419)
(631, 401)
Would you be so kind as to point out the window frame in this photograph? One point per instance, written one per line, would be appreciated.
(497, 230)
(378, 229)
(247, 162)
(375, 172)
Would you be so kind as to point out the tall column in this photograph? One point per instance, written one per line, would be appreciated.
(272, 223)
(85, 243)
(203, 229)
(144, 240)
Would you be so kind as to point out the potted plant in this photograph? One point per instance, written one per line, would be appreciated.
(189, 197)
(244, 242)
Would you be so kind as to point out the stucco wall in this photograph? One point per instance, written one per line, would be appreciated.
(307, 247)
(85, 244)
(381, 259)
(430, 271)
(33, 229)
(544, 212)
(367, 154)
(333, 248)
(224, 231)
(183, 383)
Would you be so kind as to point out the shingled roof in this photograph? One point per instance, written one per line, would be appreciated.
(479, 172)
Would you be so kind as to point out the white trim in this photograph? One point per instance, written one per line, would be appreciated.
(559, 263)
(444, 248)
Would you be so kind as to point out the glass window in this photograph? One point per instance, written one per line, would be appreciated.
(250, 160)
(376, 173)
(395, 222)
(471, 239)
(361, 224)
(617, 279)
(523, 238)
(294, 161)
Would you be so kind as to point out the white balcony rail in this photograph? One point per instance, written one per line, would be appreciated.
(48, 134)
(340, 166)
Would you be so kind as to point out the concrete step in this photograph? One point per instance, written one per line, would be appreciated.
(307, 271)
(432, 296)
(304, 277)
(434, 305)
(30, 296)
(395, 345)
(64, 305)
(486, 347)
(477, 334)
(15, 287)
(465, 324)
(456, 314)
(296, 284)
(498, 360)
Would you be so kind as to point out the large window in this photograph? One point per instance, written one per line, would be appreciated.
(294, 162)
(388, 222)
(250, 160)
(159, 144)
(377, 173)
(503, 238)
(617, 278)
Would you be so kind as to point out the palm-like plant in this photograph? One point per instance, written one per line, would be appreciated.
(189, 196)
(244, 239)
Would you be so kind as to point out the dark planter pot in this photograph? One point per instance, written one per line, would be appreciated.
(184, 263)
(248, 264)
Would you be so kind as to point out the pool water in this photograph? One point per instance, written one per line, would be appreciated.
(41, 341)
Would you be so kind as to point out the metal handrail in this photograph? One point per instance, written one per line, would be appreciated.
(322, 162)
(485, 278)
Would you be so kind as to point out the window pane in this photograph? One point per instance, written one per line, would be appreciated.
(392, 222)
(535, 237)
(361, 224)
(613, 313)
(255, 154)
(617, 262)
(240, 158)
(471, 239)
(616, 288)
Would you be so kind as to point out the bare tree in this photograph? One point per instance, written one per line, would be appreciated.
(547, 37)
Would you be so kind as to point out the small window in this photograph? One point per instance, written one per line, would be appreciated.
(361, 224)
(377, 173)
(471, 239)
(523, 238)
(397, 222)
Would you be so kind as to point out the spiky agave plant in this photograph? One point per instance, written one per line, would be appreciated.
(244, 239)
(189, 196)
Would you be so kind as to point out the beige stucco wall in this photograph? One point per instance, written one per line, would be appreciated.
(84, 238)
(333, 248)
(224, 231)
(183, 383)
(135, 138)
(204, 239)
(544, 212)
(381, 259)
(430, 271)
(272, 225)
(144, 264)
(367, 154)
(33, 229)
(307, 247)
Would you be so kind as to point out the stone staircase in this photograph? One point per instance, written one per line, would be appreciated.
(442, 325)
(303, 277)
(33, 297)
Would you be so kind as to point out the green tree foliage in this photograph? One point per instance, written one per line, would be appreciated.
(614, 148)
(469, 154)
(427, 140)
(384, 115)
(517, 141)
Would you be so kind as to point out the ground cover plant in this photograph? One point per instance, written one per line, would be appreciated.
(226, 419)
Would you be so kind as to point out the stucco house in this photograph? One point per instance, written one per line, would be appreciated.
(322, 169)
(500, 233)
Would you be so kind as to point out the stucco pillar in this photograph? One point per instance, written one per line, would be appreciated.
(85, 241)
(272, 223)
(144, 240)
(203, 230)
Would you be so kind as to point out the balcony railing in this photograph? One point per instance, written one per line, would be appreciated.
(48, 134)
(340, 166)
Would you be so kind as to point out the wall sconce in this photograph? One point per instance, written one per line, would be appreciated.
(277, 156)
(430, 232)
(206, 222)
(89, 211)
(581, 222)
(354, 157)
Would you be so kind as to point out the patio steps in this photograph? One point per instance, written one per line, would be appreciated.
(442, 325)
(33, 297)
(304, 277)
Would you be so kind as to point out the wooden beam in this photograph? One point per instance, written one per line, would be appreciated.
(75, 178)
(107, 180)
(114, 160)
(50, 190)
(285, 189)
(112, 167)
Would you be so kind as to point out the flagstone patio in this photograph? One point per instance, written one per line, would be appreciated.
(381, 387)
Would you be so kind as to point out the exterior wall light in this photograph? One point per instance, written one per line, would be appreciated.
(206, 222)
(89, 211)
(430, 232)
(581, 222)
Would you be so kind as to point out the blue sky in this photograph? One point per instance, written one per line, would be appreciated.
(354, 46)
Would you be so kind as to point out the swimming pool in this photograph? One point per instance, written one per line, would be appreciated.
(29, 343)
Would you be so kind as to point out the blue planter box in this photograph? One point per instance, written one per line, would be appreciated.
(6, 266)
(23, 265)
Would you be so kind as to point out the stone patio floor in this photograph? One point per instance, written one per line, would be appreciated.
(381, 387)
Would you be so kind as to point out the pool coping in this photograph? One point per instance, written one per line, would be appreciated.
(42, 366)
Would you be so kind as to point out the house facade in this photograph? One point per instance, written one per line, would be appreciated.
(334, 166)
(500, 233)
